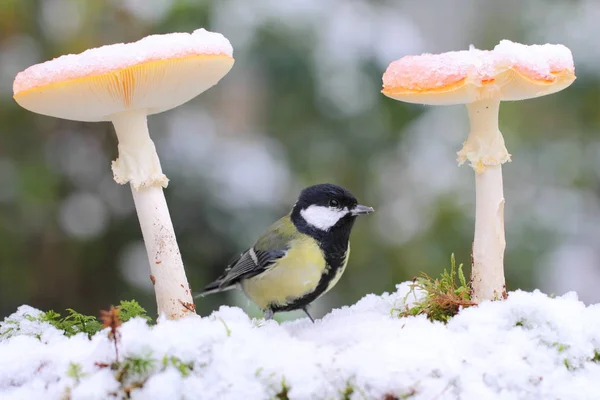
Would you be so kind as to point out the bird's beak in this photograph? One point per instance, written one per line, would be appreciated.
(361, 210)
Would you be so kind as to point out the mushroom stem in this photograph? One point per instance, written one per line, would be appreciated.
(487, 274)
(139, 165)
(486, 152)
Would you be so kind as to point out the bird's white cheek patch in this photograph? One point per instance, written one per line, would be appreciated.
(322, 218)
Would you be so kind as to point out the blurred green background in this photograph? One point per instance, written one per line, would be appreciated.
(302, 105)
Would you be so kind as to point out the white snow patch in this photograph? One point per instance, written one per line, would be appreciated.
(530, 346)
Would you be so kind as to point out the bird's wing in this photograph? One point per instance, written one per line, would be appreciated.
(250, 263)
(269, 248)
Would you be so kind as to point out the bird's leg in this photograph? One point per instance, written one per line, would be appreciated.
(305, 309)
(268, 314)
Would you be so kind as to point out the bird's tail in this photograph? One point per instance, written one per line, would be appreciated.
(214, 287)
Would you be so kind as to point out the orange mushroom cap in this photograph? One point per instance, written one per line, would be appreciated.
(154, 74)
(511, 71)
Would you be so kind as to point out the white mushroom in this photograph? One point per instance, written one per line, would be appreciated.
(481, 80)
(123, 83)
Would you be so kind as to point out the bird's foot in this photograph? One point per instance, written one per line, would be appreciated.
(305, 309)
(268, 315)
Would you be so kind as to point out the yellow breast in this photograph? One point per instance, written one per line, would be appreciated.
(292, 277)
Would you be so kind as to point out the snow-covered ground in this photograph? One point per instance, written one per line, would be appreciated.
(530, 346)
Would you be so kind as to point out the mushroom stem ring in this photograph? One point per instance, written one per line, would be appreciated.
(138, 161)
(485, 144)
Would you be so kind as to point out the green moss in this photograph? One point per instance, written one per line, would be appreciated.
(51, 317)
(283, 393)
(73, 323)
(348, 392)
(138, 366)
(411, 392)
(568, 364)
(75, 371)
(185, 369)
(443, 298)
(523, 323)
(226, 327)
(132, 309)
(561, 347)
(133, 372)
(8, 328)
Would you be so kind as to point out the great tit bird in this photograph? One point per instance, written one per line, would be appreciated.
(300, 257)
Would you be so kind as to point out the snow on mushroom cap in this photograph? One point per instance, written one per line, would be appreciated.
(113, 57)
(540, 62)
(434, 71)
(465, 76)
(153, 74)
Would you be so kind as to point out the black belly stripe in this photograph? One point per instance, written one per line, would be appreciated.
(335, 261)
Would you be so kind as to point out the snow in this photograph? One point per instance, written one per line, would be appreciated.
(530, 346)
(431, 71)
(539, 61)
(113, 57)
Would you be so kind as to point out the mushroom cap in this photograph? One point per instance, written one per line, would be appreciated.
(155, 74)
(511, 71)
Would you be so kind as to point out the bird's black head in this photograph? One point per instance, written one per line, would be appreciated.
(326, 208)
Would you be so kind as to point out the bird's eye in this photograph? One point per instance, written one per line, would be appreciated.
(334, 203)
